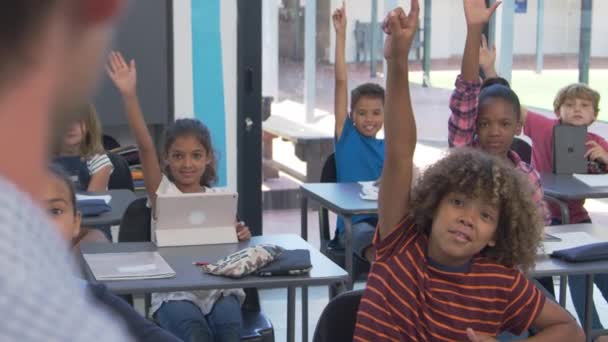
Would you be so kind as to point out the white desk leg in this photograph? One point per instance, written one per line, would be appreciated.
(563, 288)
(348, 250)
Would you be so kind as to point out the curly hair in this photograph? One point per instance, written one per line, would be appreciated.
(195, 128)
(480, 175)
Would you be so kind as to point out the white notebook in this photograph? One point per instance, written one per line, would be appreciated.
(128, 266)
(105, 198)
(369, 191)
(592, 180)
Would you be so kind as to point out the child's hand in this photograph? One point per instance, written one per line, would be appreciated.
(473, 337)
(487, 57)
(476, 12)
(596, 152)
(400, 30)
(242, 231)
(124, 76)
(339, 20)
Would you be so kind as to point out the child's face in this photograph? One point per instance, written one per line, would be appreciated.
(187, 159)
(75, 134)
(577, 112)
(61, 209)
(497, 124)
(368, 115)
(462, 227)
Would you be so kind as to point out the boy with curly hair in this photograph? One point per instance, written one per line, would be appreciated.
(448, 252)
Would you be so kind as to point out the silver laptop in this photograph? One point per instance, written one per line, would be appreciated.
(569, 149)
(196, 219)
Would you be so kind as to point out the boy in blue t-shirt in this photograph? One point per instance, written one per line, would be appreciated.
(359, 154)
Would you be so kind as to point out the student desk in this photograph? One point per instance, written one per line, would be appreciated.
(121, 198)
(188, 277)
(344, 200)
(565, 187)
(547, 266)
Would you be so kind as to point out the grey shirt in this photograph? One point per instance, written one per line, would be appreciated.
(41, 298)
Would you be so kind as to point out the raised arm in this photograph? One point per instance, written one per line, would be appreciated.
(400, 125)
(341, 86)
(477, 15)
(124, 77)
(463, 101)
(487, 58)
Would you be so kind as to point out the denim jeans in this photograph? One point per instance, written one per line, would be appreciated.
(185, 320)
(578, 289)
(363, 235)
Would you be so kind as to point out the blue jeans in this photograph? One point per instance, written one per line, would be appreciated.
(577, 290)
(363, 235)
(185, 320)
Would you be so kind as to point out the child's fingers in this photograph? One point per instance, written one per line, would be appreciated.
(393, 24)
(484, 41)
(494, 7)
(414, 10)
(472, 336)
(592, 143)
(110, 71)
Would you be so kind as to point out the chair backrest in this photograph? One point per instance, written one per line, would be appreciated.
(523, 149)
(329, 173)
(109, 143)
(121, 176)
(338, 319)
(135, 223)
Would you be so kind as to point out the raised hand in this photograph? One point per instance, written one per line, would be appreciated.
(339, 19)
(596, 152)
(122, 74)
(487, 57)
(242, 231)
(400, 29)
(476, 12)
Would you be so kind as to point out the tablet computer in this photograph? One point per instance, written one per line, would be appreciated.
(196, 219)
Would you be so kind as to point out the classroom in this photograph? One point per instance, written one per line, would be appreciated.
(304, 170)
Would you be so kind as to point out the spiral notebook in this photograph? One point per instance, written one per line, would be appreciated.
(128, 266)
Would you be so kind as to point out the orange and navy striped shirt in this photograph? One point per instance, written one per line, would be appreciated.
(411, 298)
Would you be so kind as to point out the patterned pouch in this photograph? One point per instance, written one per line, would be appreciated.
(244, 262)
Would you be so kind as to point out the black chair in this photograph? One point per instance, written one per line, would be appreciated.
(135, 227)
(109, 143)
(121, 177)
(523, 149)
(337, 255)
(338, 319)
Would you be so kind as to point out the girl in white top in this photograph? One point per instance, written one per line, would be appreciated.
(190, 166)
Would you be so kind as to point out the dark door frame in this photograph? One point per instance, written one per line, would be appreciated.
(249, 113)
